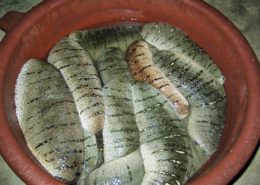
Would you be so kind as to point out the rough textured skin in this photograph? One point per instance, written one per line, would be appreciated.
(141, 66)
(161, 101)
(196, 76)
(126, 170)
(166, 37)
(80, 74)
(204, 93)
(49, 120)
(120, 132)
(95, 41)
(91, 160)
(164, 142)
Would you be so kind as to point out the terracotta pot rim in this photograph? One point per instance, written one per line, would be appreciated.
(247, 139)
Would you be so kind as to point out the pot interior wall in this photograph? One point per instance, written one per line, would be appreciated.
(59, 21)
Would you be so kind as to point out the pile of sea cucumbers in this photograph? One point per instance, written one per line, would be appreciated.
(122, 105)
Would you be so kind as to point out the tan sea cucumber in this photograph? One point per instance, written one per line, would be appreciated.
(140, 62)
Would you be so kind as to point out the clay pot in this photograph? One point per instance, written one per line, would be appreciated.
(38, 30)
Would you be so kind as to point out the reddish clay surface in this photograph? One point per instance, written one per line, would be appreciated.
(38, 30)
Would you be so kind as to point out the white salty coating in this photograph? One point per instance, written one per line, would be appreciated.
(83, 81)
